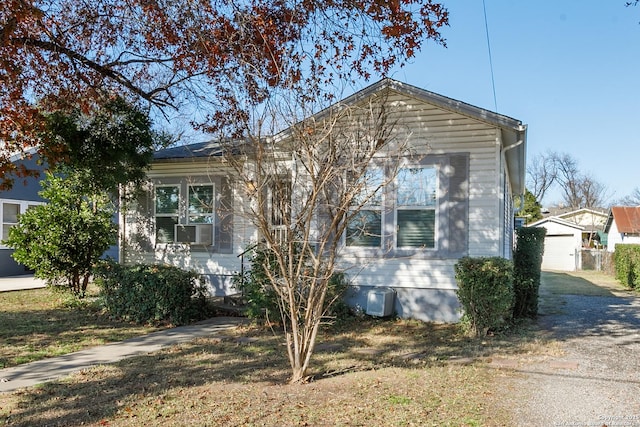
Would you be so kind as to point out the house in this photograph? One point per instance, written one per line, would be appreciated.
(622, 226)
(471, 162)
(14, 202)
(569, 232)
(562, 244)
(593, 222)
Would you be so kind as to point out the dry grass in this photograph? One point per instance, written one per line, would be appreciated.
(41, 323)
(367, 372)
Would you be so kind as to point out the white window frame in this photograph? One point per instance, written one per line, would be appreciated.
(23, 205)
(368, 206)
(157, 215)
(434, 207)
(184, 217)
(211, 214)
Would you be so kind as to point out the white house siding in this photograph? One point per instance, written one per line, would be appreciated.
(423, 281)
(425, 286)
(217, 267)
(615, 237)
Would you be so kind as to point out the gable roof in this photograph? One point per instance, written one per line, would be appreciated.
(556, 220)
(583, 211)
(627, 219)
(513, 131)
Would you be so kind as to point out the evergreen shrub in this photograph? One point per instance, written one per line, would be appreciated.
(149, 293)
(626, 260)
(527, 265)
(485, 291)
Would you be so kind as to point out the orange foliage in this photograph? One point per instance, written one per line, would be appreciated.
(63, 54)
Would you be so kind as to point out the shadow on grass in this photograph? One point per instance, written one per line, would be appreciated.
(246, 356)
(573, 306)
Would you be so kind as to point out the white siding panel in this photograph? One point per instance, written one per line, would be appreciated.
(403, 273)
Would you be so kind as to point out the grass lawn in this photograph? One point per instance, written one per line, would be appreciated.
(41, 323)
(588, 282)
(364, 372)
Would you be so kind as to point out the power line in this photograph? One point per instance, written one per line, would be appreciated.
(493, 83)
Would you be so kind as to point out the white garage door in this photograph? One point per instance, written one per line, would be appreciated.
(559, 253)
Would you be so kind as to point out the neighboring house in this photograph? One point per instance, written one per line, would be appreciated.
(473, 158)
(593, 221)
(16, 201)
(623, 226)
(562, 244)
(13, 203)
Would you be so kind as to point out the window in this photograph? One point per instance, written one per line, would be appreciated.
(416, 194)
(167, 212)
(10, 211)
(279, 205)
(185, 213)
(411, 205)
(201, 204)
(365, 225)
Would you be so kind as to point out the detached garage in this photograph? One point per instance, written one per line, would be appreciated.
(562, 244)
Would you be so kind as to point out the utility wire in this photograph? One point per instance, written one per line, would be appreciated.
(493, 83)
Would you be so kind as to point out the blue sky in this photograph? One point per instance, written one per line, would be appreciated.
(570, 70)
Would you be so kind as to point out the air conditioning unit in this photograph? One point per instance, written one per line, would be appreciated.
(199, 234)
(380, 302)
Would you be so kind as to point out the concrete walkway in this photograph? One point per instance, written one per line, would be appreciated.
(20, 283)
(30, 374)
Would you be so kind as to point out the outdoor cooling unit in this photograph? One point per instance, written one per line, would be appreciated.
(380, 302)
(201, 234)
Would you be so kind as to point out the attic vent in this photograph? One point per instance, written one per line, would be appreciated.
(201, 234)
(380, 302)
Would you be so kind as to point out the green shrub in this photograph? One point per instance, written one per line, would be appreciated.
(63, 239)
(527, 263)
(261, 297)
(254, 285)
(151, 293)
(627, 265)
(485, 291)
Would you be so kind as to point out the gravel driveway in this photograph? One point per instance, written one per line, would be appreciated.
(596, 380)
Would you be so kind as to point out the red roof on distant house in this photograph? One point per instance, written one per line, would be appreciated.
(627, 218)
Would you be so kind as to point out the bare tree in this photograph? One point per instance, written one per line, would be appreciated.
(579, 190)
(632, 199)
(542, 174)
(309, 187)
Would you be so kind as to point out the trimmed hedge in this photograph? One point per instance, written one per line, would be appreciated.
(148, 293)
(485, 290)
(527, 263)
(626, 259)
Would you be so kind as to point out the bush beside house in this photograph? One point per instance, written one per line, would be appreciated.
(148, 293)
(485, 291)
(627, 265)
(527, 262)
